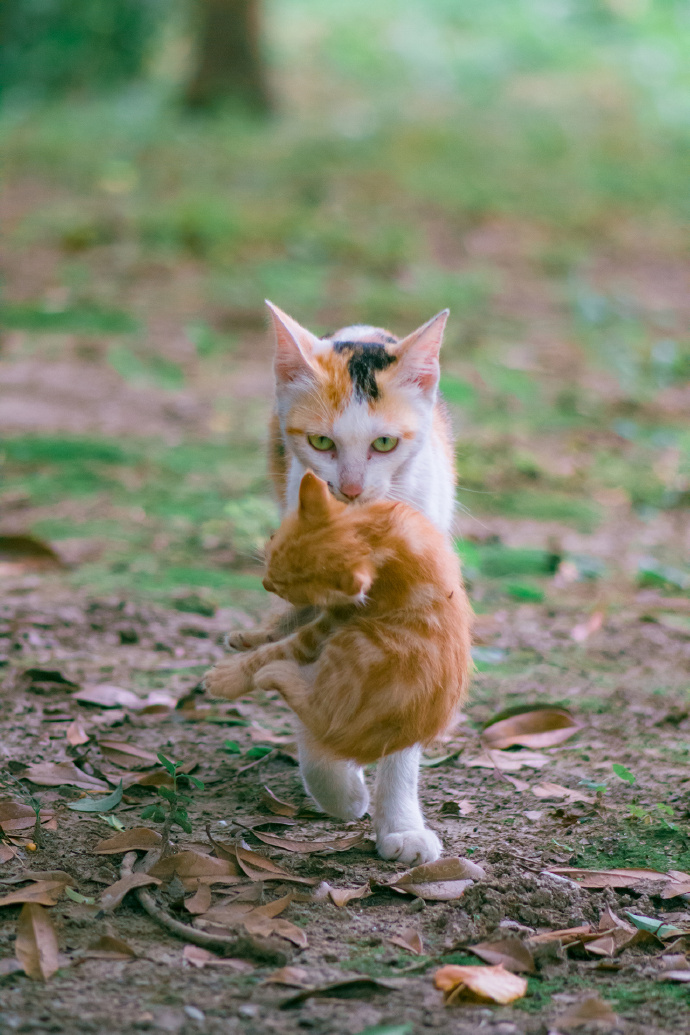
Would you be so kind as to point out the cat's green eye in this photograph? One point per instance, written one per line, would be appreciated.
(384, 444)
(321, 442)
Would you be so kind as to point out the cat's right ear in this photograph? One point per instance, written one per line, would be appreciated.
(314, 498)
(295, 346)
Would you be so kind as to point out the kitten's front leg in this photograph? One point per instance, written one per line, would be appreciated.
(398, 820)
(233, 676)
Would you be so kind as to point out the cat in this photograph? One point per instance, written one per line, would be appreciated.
(361, 409)
(386, 661)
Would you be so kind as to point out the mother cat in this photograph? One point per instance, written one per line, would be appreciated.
(361, 410)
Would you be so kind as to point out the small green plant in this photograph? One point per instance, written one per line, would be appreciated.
(11, 784)
(623, 773)
(172, 810)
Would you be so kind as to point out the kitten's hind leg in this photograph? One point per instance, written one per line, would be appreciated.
(336, 787)
(398, 820)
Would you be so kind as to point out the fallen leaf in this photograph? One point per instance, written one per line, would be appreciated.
(507, 762)
(200, 901)
(408, 939)
(297, 977)
(191, 864)
(36, 946)
(98, 804)
(134, 839)
(653, 926)
(592, 1009)
(7, 853)
(108, 947)
(14, 815)
(265, 926)
(61, 876)
(537, 728)
(108, 696)
(440, 881)
(255, 866)
(55, 774)
(274, 908)
(519, 785)
(341, 896)
(76, 734)
(20, 553)
(350, 988)
(615, 878)
(486, 984)
(126, 755)
(43, 892)
(433, 761)
(198, 957)
(555, 790)
(275, 805)
(533, 815)
(8, 965)
(566, 936)
(583, 630)
(340, 844)
(113, 896)
(510, 953)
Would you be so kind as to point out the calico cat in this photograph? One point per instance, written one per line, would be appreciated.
(386, 662)
(361, 409)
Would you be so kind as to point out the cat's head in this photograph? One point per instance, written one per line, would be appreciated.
(316, 557)
(357, 406)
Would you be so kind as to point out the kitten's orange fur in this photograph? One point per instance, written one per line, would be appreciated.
(386, 661)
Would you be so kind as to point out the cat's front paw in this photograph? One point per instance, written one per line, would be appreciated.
(245, 639)
(412, 847)
(228, 678)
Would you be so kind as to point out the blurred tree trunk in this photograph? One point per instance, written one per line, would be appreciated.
(229, 64)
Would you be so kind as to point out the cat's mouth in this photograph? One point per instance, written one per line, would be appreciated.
(342, 498)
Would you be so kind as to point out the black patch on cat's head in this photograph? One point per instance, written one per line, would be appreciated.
(366, 359)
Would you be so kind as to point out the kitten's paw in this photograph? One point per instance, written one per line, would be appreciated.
(227, 679)
(340, 792)
(245, 639)
(412, 847)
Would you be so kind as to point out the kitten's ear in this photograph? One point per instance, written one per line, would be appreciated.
(314, 498)
(295, 345)
(418, 354)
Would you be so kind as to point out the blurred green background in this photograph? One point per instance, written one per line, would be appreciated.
(524, 162)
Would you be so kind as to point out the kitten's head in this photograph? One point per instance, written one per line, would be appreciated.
(355, 407)
(316, 557)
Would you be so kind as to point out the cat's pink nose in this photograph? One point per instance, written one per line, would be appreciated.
(351, 490)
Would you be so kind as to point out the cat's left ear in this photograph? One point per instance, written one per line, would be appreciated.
(314, 498)
(295, 346)
(418, 354)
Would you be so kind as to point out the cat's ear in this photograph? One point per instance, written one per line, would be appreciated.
(314, 498)
(418, 354)
(295, 346)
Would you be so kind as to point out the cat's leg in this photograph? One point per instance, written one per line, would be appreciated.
(233, 676)
(336, 787)
(277, 627)
(398, 820)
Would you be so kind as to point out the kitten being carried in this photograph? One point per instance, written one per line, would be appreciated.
(387, 660)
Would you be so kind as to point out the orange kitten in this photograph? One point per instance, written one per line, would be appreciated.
(386, 662)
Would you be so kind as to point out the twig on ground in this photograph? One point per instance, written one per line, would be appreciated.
(264, 758)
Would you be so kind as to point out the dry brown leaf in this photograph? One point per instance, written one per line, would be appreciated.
(296, 977)
(120, 753)
(505, 762)
(258, 867)
(566, 936)
(592, 1009)
(55, 774)
(440, 881)
(555, 790)
(615, 878)
(583, 630)
(36, 946)
(113, 896)
(340, 844)
(679, 884)
(200, 901)
(341, 896)
(198, 957)
(539, 728)
(135, 839)
(519, 785)
(61, 876)
(487, 984)
(276, 805)
(20, 553)
(76, 734)
(7, 852)
(408, 939)
(466, 807)
(108, 947)
(44, 892)
(350, 988)
(191, 864)
(274, 908)
(108, 696)
(14, 815)
(510, 953)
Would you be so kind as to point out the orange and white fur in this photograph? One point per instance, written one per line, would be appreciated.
(340, 399)
(386, 661)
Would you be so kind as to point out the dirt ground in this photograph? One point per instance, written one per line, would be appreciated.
(613, 648)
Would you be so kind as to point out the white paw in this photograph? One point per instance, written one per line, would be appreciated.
(412, 847)
(341, 793)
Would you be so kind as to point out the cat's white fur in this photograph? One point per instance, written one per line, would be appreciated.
(418, 472)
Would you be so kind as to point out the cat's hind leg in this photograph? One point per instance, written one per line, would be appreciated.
(398, 821)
